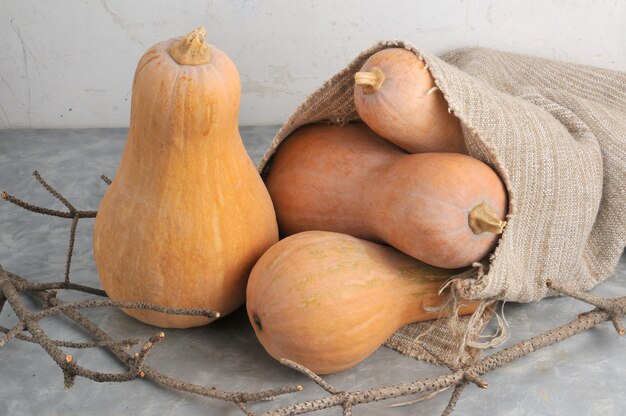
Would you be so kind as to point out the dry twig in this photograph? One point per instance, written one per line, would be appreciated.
(456, 394)
(471, 373)
(611, 306)
(150, 373)
(11, 285)
(106, 179)
(122, 343)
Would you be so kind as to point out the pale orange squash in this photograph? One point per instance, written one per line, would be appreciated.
(328, 300)
(187, 214)
(445, 209)
(396, 96)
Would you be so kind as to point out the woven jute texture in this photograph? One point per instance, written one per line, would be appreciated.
(556, 134)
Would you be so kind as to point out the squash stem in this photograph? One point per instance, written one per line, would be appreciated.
(484, 219)
(371, 81)
(191, 49)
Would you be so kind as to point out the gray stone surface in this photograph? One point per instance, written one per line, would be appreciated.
(584, 375)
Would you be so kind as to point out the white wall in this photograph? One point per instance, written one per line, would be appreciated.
(69, 63)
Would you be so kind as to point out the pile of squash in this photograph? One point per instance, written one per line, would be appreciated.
(375, 216)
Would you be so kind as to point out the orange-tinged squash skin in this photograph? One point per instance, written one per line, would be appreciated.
(187, 214)
(328, 300)
(406, 109)
(349, 180)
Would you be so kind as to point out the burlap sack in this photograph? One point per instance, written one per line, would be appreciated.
(556, 134)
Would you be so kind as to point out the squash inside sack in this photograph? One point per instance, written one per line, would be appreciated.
(328, 300)
(396, 96)
(445, 209)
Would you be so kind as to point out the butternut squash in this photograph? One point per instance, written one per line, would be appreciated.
(396, 96)
(187, 214)
(444, 209)
(328, 300)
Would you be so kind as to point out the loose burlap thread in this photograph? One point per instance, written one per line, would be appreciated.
(556, 134)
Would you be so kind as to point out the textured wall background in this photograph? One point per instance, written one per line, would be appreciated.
(69, 63)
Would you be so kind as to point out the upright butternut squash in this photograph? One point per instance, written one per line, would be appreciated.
(329, 300)
(396, 96)
(445, 209)
(187, 214)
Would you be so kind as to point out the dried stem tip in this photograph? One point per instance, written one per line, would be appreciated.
(191, 49)
(484, 219)
(370, 81)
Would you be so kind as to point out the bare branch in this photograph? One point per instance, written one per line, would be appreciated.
(150, 373)
(310, 374)
(127, 305)
(11, 284)
(45, 211)
(67, 363)
(421, 398)
(611, 306)
(244, 408)
(11, 333)
(54, 192)
(456, 394)
(21, 284)
(123, 343)
(137, 367)
(487, 364)
(36, 287)
(70, 248)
